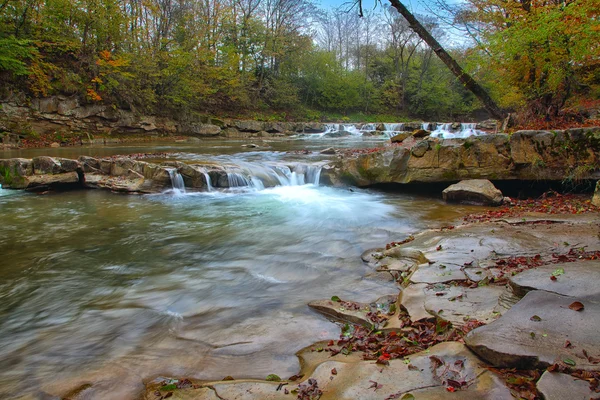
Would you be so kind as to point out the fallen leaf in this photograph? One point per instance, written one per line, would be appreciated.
(568, 344)
(576, 306)
(558, 272)
(335, 298)
(570, 362)
(334, 371)
(535, 318)
(553, 278)
(408, 396)
(375, 385)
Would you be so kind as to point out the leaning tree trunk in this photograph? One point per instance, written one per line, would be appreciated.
(456, 69)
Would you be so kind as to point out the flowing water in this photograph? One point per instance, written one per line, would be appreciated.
(115, 290)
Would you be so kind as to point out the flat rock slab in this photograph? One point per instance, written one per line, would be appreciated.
(353, 312)
(557, 386)
(438, 273)
(580, 279)
(455, 304)
(473, 191)
(535, 331)
(422, 376)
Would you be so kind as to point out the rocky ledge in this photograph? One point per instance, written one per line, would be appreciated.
(120, 174)
(525, 155)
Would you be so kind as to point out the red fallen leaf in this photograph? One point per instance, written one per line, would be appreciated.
(568, 344)
(553, 278)
(330, 343)
(375, 385)
(576, 306)
(334, 371)
(451, 389)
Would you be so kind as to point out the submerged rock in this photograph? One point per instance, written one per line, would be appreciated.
(473, 191)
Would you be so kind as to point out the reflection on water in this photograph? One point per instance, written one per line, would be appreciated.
(113, 289)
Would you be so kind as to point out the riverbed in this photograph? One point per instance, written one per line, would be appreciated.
(113, 290)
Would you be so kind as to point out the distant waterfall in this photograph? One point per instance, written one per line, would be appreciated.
(445, 131)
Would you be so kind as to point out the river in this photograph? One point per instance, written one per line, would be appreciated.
(114, 290)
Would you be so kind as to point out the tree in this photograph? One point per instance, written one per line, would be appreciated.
(456, 69)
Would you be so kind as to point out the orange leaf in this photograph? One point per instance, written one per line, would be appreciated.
(576, 306)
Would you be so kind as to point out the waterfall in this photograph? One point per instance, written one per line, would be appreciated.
(209, 187)
(396, 127)
(368, 127)
(425, 126)
(445, 131)
(260, 176)
(176, 181)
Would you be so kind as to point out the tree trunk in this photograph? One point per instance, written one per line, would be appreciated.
(456, 69)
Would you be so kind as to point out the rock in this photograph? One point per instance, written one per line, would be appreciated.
(347, 312)
(328, 151)
(422, 377)
(473, 191)
(203, 129)
(420, 133)
(248, 126)
(420, 148)
(455, 304)
(557, 386)
(580, 279)
(251, 145)
(438, 273)
(49, 180)
(596, 197)
(520, 340)
(54, 144)
(489, 124)
(399, 137)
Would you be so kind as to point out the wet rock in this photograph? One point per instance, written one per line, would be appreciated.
(473, 191)
(399, 137)
(596, 197)
(250, 145)
(420, 133)
(425, 376)
(533, 333)
(328, 151)
(489, 124)
(557, 386)
(420, 148)
(580, 279)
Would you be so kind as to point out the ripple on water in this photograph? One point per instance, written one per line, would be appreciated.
(206, 283)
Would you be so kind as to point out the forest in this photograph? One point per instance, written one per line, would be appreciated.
(291, 59)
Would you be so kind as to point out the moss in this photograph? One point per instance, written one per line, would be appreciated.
(467, 145)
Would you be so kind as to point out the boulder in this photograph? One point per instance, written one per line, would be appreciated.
(534, 332)
(420, 133)
(420, 148)
(203, 129)
(473, 191)
(596, 197)
(399, 137)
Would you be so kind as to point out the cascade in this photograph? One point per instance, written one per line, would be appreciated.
(425, 126)
(368, 127)
(445, 131)
(176, 181)
(396, 127)
(259, 176)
